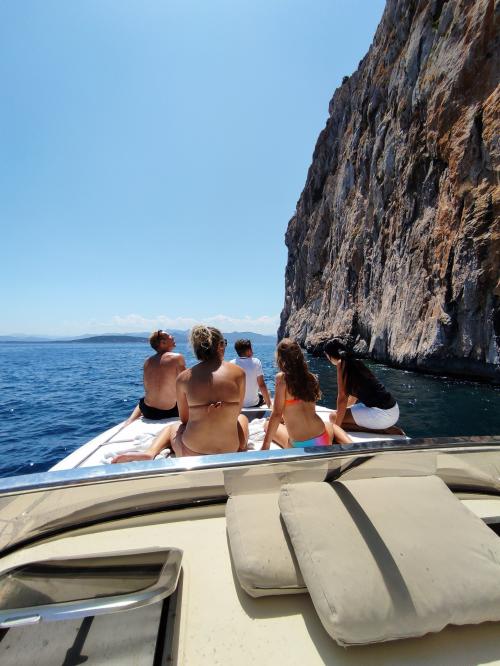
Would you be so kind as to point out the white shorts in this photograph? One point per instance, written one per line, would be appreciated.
(374, 417)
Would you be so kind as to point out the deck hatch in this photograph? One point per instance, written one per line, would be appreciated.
(69, 588)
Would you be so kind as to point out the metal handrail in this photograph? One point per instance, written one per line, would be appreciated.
(168, 466)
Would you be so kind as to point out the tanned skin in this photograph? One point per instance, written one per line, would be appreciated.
(209, 396)
(160, 375)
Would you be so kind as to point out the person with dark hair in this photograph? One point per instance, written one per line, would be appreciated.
(363, 403)
(159, 376)
(210, 397)
(296, 393)
(256, 392)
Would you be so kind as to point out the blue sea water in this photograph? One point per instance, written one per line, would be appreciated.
(54, 397)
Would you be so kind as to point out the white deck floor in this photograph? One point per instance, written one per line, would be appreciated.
(138, 436)
(217, 623)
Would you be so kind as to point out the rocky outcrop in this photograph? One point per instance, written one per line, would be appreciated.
(396, 239)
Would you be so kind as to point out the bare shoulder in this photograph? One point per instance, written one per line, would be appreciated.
(181, 361)
(234, 369)
(184, 376)
(280, 378)
(151, 360)
(171, 357)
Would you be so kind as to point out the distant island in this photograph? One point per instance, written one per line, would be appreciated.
(142, 337)
(180, 336)
(107, 338)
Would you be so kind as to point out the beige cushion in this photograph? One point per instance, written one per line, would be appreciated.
(262, 555)
(259, 479)
(474, 469)
(417, 463)
(390, 558)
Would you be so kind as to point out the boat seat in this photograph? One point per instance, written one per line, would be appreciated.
(470, 471)
(477, 470)
(390, 558)
(262, 555)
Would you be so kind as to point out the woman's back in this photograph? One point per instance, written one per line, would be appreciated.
(300, 416)
(213, 392)
(363, 403)
(362, 384)
(297, 391)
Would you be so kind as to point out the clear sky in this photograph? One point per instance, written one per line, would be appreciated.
(153, 151)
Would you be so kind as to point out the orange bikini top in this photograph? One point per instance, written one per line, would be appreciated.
(292, 401)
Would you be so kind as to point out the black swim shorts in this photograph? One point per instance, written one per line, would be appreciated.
(156, 414)
(260, 403)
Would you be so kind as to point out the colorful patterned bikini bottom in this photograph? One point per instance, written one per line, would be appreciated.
(320, 440)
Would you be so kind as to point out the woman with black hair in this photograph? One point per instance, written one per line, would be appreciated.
(294, 422)
(363, 403)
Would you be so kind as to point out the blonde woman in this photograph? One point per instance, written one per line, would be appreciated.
(209, 397)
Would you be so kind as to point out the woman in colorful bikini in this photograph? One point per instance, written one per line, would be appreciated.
(209, 396)
(296, 392)
(363, 403)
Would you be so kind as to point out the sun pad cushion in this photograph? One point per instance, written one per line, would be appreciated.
(262, 554)
(390, 558)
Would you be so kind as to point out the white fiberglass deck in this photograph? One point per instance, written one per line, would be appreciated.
(216, 622)
(137, 436)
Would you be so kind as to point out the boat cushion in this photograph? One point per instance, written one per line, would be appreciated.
(262, 554)
(390, 558)
(253, 480)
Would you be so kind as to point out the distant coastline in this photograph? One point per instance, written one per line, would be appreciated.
(180, 336)
(107, 338)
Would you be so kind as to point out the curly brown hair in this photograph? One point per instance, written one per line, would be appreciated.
(300, 382)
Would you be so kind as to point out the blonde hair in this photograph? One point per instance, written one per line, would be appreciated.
(205, 341)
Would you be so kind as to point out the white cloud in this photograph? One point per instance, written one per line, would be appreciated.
(266, 324)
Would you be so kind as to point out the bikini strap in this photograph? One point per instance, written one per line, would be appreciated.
(216, 405)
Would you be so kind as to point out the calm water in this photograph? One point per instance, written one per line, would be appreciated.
(55, 397)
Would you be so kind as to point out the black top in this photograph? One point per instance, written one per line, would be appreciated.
(363, 385)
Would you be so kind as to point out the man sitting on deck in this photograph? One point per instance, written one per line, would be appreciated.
(256, 392)
(160, 374)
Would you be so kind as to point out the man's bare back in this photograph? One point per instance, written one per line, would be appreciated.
(160, 375)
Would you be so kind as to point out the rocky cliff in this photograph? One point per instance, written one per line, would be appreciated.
(396, 239)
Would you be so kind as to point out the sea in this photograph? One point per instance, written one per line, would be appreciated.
(56, 396)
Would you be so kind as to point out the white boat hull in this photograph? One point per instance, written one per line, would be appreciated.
(137, 436)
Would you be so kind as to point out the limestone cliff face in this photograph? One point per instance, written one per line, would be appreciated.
(396, 239)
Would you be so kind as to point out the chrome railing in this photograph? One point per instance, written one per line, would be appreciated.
(38, 505)
(165, 466)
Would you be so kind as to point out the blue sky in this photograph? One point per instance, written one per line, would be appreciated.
(153, 151)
